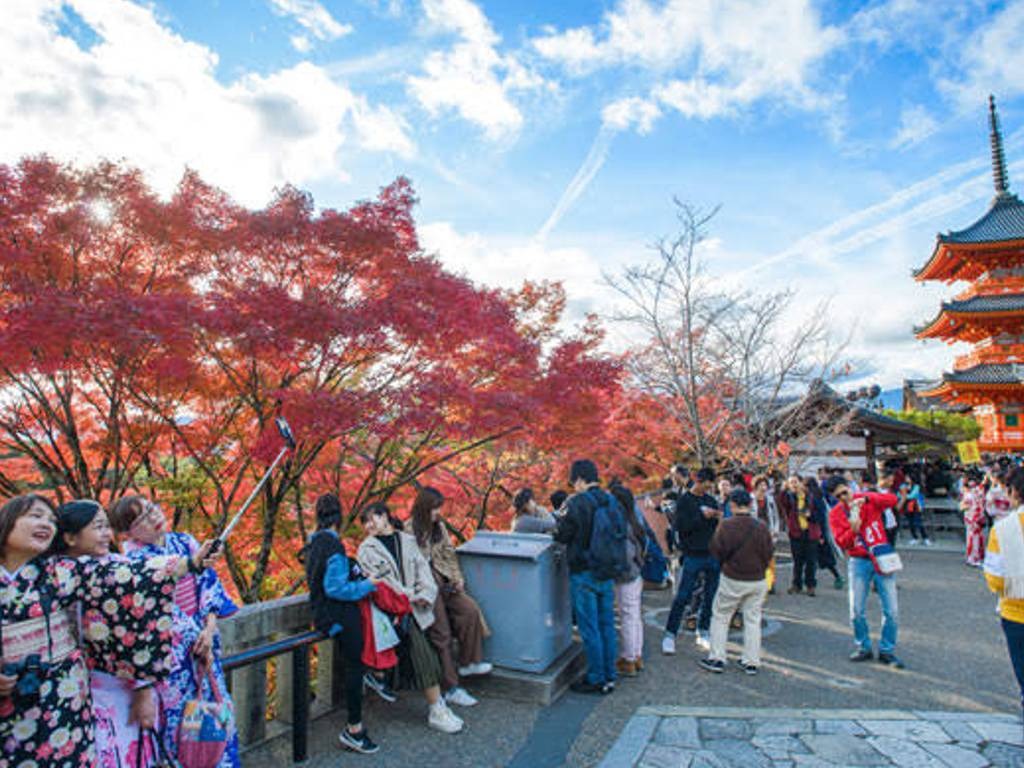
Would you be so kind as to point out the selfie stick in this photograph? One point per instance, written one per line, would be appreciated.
(289, 440)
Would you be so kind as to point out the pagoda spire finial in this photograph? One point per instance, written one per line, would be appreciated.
(999, 175)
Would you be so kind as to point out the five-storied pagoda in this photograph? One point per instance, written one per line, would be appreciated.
(989, 314)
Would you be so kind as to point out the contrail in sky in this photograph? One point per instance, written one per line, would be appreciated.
(899, 210)
(591, 165)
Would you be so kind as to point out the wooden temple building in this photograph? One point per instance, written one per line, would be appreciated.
(989, 314)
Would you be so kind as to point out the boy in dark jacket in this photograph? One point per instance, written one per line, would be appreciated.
(336, 585)
(697, 516)
(743, 546)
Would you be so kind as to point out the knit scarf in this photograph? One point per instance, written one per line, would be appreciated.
(1011, 547)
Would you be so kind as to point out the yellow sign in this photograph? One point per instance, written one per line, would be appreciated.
(969, 453)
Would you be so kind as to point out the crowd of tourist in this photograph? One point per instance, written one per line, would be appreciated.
(109, 621)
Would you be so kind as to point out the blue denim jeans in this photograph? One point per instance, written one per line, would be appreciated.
(594, 604)
(693, 566)
(1015, 643)
(862, 574)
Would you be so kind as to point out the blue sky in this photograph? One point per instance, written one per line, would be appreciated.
(546, 140)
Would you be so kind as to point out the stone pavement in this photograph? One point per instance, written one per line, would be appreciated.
(731, 737)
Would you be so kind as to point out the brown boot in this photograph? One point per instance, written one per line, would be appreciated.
(638, 663)
(626, 668)
(811, 592)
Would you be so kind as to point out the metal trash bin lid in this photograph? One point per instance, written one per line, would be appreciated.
(521, 546)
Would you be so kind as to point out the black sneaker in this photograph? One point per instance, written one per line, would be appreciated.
(582, 686)
(607, 688)
(891, 660)
(357, 742)
(379, 687)
(750, 669)
(712, 665)
(862, 655)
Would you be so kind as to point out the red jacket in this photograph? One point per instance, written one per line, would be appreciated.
(872, 522)
(390, 602)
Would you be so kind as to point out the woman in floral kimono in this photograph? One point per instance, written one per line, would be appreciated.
(123, 710)
(972, 502)
(46, 718)
(199, 600)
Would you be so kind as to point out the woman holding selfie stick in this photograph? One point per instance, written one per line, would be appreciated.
(199, 600)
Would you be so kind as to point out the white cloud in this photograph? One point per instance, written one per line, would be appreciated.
(471, 77)
(145, 94)
(992, 59)
(312, 17)
(629, 112)
(916, 125)
(301, 43)
(709, 57)
(592, 163)
(506, 262)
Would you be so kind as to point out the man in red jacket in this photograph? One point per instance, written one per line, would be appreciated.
(858, 522)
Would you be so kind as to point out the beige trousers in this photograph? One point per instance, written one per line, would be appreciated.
(748, 597)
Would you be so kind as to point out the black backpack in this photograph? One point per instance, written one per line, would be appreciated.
(606, 553)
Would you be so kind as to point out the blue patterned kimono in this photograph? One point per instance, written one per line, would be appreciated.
(207, 596)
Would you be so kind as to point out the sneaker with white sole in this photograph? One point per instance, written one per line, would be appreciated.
(443, 719)
(703, 641)
(476, 670)
(712, 665)
(668, 645)
(357, 742)
(379, 687)
(460, 697)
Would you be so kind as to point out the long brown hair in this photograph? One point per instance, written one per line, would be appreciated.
(423, 525)
(17, 508)
(127, 510)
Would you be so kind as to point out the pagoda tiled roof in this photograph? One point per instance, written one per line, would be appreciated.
(1004, 221)
(988, 373)
(979, 305)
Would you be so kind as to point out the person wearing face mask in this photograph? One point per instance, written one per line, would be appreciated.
(124, 711)
(45, 702)
(199, 600)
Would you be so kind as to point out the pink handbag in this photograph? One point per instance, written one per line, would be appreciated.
(203, 730)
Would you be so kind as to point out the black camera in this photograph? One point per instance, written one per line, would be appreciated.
(30, 672)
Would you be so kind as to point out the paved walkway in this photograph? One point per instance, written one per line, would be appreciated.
(949, 637)
(679, 737)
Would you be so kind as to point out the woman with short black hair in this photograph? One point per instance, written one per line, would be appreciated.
(336, 585)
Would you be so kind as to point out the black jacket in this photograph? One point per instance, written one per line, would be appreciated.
(328, 613)
(575, 526)
(693, 529)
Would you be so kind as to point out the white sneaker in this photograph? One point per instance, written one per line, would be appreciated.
(460, 697)
(668, 645)
(443, 719)
(912, 543)
(474, 670)
(927, 542)
(702, 641)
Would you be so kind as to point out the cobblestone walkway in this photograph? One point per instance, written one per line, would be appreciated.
(680, 737)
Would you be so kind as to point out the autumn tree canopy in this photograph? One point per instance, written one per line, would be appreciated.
(147, 344)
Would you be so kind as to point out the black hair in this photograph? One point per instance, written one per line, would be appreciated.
(834, 482)
(583, 469)
(681, 469)
(328, 511)
(375, 508)
(667, 484)
(625, 497)
(705, 475)
(740, 498)
(521, 499)
(558, 499)
(72, 518)
(17, 508)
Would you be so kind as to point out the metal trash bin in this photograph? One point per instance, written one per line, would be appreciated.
(521, 581)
